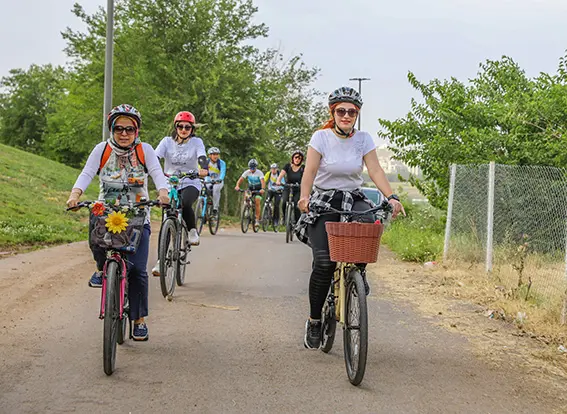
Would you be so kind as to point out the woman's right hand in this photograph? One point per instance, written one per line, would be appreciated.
(303, 204)
(73, 200)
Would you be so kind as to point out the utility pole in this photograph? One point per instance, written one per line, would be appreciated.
(360, 80)
(108, 67)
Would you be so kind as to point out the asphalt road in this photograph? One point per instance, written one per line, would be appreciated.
(230, 341)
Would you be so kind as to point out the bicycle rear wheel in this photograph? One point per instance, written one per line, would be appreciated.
(200, 215)
(183, 259)
(288, 223)
(245, 219)
(124, 323)
(111, 317)
(168, 257)
(355, 332)
(266, 217)
(328, 322)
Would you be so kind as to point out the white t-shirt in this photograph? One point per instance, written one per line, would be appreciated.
(341, 159)
(254, 179)
(182, 158)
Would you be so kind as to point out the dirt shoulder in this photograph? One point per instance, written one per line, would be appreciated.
(440, 295)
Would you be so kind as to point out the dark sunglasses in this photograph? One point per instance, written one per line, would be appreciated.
(297, 156)
(185, 127)
(342, 112)
(130, 130)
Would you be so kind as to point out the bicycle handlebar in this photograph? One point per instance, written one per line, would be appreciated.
(385, 206)
(147, 203)
(192, 174)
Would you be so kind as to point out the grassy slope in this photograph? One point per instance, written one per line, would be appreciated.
(32, 203)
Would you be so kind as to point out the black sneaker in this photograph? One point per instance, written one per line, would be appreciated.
(312, 339)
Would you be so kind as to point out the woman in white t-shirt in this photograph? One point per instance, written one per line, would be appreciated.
(183, 152)
(335, 159)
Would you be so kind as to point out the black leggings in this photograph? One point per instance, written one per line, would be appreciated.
(295, 198)
(188, 197)
(323, 268)
(277, 196)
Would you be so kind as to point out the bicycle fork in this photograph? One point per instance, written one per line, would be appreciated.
(116, 258)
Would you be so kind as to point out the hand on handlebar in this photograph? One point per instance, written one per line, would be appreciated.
(397, 208)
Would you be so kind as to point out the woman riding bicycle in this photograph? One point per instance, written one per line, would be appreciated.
(335, 159)
(293, 172)
(274, 191)
(123, 177)
(184, 152)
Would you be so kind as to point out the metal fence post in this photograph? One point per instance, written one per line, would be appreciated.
(449, 211)
(490, 217)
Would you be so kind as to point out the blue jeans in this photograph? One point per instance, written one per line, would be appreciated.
(137, 274)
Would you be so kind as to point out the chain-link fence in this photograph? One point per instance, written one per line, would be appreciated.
(514, 220)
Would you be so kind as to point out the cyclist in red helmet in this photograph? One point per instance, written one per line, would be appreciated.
(183, 152)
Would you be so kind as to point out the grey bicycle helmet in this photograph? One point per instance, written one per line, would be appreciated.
(345, 94)
(252, 163)
(274, 166)
(296, 152)
(213, 150)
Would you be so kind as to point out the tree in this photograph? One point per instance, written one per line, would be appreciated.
(501, 115)
(27, 100)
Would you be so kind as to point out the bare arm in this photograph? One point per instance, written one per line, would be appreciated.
(238, 183)
(311, 167)
(279, 180)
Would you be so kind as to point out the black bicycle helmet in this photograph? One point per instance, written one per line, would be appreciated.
(252, 163)
(345, 94)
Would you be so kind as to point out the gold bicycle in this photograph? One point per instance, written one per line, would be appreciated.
(351, 244)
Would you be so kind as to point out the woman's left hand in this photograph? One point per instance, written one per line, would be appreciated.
(397, 208)
(163, 196)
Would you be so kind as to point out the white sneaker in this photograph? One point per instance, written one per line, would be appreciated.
(194, 239)
(155, 270)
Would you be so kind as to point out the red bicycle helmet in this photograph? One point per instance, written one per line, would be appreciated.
(184, 116)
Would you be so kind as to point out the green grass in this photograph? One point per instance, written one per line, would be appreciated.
(419, 236)
(32, 205)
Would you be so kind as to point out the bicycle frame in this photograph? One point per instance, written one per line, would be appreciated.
(339, 291)
(115, 256)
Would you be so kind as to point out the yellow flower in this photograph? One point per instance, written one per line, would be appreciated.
(116, 222)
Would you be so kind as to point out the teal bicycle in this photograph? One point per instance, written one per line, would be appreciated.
(204, 212)
(173, 244)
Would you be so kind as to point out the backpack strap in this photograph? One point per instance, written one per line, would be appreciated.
(138, 149)
(141, 156)
(104, 157)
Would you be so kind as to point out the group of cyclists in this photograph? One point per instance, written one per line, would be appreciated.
(331, 177)
(274, 182)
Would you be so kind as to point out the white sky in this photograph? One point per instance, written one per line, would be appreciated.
(378, 39)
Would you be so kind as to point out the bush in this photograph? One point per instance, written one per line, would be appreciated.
(419, 236)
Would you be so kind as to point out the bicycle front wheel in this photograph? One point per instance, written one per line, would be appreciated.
(168, 257)
(245, 219)
(184, 249)
(288, 223)
(200, 215)
(214, 220)
(355, 331)
(266, 217)
(111, 317)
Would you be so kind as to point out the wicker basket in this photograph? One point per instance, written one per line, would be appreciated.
(354, 242)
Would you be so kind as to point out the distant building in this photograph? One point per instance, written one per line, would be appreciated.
(393, 166)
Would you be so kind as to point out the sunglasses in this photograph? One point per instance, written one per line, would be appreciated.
(342, 112)
(184, 127)
(297, 157)
(119, 129)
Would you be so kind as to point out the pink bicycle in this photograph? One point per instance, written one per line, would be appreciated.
(118, 230)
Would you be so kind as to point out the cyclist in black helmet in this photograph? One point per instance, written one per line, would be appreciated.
(333, 177)
(256, 182)
(293, 173)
